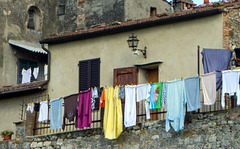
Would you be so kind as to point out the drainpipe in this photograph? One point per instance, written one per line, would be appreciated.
(49, 61)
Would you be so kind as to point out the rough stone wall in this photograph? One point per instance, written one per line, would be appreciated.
(104, 11)
(231, 27)
(217, 130)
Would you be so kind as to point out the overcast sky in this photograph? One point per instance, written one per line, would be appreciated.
(198, 2)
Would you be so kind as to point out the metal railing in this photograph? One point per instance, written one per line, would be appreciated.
(41, 128)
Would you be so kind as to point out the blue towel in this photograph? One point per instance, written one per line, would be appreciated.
(56, 113)
(216, 60)
(192, 93)
(176, 105)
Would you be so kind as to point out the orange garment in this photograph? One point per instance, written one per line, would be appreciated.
(102, 99)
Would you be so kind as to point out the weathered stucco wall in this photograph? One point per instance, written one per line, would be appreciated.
(173, 44)
(217, 130)
(14, 18)
(11, 106)
(136, 9)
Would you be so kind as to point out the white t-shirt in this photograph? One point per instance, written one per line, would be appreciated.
(26, 75)
(43, 112)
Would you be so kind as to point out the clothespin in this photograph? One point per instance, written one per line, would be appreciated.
(63, 97)
(150, 82)
(95, 87)
(231, 68)
(32, 103)
(80, 91)
(214, 71)
(200, 75)
(88, 88)
(46, 99)
(127, 84)
(51, 99)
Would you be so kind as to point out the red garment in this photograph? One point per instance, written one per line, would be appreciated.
(102, 99)
(84, 109)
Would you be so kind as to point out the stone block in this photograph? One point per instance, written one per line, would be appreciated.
(26, 145)
(212, 138)
(225, 143)
(39, 144)
(154, 137)
(47, 143)
(33, 145)
(59, 142)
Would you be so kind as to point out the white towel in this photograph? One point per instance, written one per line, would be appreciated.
(209, 88)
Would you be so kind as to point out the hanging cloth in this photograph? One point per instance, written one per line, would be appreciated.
(35, 72)
(26, 75)
(30, 107)
(122, 92)
(209, 88)
(216, 60)
(230, 84)
(102, 99)
(192, 93)
(113, 116)
(130, 106)
(84, 109)
(156, 95)
(143, 93)
(118, 113)
(43, 111)
(95, 99)
(176, 101)
(109, 121)
(70, 109)
(56, 113)
(164, 95)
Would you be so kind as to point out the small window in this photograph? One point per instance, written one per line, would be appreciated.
(25, 64)
(89, 74)
(34, 18)
(153, 11)
(61, 10)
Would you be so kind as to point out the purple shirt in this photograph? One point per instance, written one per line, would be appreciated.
(84, 109)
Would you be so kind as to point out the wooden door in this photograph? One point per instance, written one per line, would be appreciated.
(123, 76)
(153, 77)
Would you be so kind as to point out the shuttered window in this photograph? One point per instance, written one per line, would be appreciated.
(89, 74)
(25, 64)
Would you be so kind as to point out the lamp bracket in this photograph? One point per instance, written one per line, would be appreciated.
(144, 51)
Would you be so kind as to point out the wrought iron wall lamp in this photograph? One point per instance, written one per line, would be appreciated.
(133, 43)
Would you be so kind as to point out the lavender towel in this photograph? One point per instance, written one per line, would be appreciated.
(216, 60)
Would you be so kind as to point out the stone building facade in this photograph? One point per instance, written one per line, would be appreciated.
(25, 23)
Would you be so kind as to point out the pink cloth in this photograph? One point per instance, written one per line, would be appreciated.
(84, 109)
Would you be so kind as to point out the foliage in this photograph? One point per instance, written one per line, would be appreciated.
(9, 132)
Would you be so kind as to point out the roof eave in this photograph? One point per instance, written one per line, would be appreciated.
(133, 26)
(22, 90)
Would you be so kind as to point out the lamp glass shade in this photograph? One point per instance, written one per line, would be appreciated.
(132, 41)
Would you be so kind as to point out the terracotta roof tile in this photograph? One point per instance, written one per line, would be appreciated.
(21, 87)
